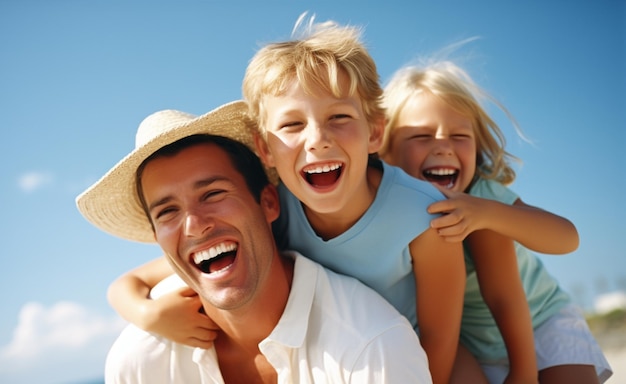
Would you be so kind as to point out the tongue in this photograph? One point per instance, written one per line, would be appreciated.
(323, 179)
(221, 262)
(441, 180)
(444, 182)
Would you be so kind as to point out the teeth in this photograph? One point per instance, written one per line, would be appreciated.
(325, 168)
(441, 171)
(212, 252)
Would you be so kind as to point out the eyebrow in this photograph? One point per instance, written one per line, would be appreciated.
(196, 185)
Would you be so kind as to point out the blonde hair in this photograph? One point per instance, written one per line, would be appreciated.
(453, 85)
(316, 56)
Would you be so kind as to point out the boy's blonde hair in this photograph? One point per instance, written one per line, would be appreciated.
(453, 85)
(314, 59)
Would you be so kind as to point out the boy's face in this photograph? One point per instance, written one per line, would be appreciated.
(433, 142)
(319, 145)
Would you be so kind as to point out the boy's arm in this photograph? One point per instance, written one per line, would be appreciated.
(501, 287)
(440, 283)
(175, 315)
(129, 293)
(534, 228)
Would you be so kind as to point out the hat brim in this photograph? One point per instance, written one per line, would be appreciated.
(112, 203)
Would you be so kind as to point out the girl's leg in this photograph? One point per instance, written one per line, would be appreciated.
(466, 369)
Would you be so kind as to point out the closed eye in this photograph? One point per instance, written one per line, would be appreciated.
(213, 194)
(420, 136)
(164, 213)
(340, 116)
(292, 126)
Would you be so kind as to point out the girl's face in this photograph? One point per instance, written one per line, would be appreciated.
(433, 142)
(319, 145)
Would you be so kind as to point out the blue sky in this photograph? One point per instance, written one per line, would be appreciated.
(77, 77)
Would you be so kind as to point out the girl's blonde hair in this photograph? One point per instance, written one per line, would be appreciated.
(316, 56)
(453, 85)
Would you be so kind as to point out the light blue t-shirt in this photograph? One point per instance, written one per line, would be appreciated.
(375, 249)
(479, 331)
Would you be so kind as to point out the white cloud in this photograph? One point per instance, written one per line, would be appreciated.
(31, 181)
(66, 328)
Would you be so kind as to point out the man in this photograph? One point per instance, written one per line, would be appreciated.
(191, 185)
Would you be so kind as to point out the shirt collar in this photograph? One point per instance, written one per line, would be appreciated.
(292, 327)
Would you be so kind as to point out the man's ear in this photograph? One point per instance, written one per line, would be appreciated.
(263, 150)
(270, 203)
(377, 131)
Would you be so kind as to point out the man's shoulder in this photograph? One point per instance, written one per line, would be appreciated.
(356, 325)
(140, 356)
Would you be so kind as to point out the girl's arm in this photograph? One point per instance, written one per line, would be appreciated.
(501, 287)
(534, 228)
(440, 283)
(175, 315)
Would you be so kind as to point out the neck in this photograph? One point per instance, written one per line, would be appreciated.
(247, 326)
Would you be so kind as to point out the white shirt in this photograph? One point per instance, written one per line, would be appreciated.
(333, 330)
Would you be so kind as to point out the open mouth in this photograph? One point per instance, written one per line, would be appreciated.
(216, 258)
(445, 177)
(322, 175)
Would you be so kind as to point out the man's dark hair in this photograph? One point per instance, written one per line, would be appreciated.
(246, 162)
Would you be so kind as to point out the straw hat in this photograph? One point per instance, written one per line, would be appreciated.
(112, 203)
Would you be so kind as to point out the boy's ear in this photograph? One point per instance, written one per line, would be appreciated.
(377, 130)
(263, 150)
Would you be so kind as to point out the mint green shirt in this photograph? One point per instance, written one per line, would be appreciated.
(479, 331)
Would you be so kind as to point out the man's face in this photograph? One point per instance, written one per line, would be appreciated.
(214, 233)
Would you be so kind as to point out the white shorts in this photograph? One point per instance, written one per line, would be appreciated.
(563, 339)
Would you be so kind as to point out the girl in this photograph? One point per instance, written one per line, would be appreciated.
(516, 318)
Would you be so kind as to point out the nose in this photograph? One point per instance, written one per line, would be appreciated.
(317, 137)
(443, 146)
(197, 224)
